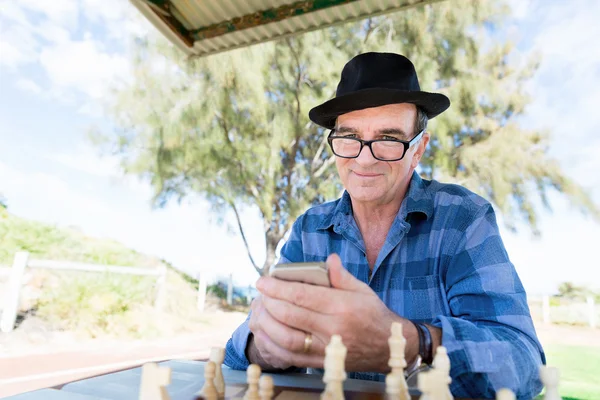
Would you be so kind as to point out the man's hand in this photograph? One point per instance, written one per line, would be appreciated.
(350, 309)
(275, 345)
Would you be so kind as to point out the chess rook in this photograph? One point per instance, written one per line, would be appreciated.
(154, 381)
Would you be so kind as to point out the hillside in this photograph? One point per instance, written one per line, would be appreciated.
(94, 304)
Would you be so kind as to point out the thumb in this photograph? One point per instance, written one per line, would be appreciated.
(342, 279)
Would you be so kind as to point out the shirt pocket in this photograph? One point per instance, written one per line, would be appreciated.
(424, 301)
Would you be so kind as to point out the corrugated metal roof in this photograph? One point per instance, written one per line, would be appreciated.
(203, 27)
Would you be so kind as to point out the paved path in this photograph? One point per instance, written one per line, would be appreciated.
(32, 371)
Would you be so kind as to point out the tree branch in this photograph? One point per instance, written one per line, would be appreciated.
(324, 167)
(239, 222)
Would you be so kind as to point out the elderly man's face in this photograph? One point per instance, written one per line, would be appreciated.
(365, 178)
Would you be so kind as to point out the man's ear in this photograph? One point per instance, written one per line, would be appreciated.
(420, 150)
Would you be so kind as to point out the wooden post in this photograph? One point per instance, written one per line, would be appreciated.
(546, 310)
(591, 311)
(201, 292)
(161, 289)
(230, 290)
(11, 300)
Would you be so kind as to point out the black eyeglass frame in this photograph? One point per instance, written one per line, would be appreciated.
(368, 143)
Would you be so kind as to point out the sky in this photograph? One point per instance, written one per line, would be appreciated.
(58, 59)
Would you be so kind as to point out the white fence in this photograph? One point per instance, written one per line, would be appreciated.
(22, 261)
(557, 310)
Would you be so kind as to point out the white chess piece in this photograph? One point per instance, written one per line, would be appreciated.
(393, 386)
(505, 394)
(550, 377)
(209, 390)
(253, 377)
(217, 355)
(154, 381)
(441, 362)
(397, 361)
(335, 369)
(397, 344)
(432, 385)
(265, 387)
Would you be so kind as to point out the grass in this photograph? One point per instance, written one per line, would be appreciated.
(95, 304)
(579, 370)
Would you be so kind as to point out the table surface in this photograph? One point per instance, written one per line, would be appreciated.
(187, 378)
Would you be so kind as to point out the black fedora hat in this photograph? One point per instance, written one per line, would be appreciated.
(373, 80)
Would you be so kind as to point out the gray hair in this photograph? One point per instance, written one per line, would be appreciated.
(420, 120)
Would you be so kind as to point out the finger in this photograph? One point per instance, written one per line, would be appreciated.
(301, 294)
(342, 279)
(284, 336)
(276, 354)
(297, 317)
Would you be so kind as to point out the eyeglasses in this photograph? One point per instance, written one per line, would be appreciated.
(381, 149)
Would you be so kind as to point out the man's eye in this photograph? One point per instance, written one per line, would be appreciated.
(386, 137)
(348, 135)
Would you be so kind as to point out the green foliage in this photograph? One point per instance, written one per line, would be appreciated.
(579, 368)
(92, 303)
(570, 291)
(3, 202)
(52, 243)
(95, 304)
(233, 127)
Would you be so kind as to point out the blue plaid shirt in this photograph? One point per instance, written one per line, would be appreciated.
(443, 263)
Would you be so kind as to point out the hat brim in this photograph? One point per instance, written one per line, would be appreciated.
(326, 114)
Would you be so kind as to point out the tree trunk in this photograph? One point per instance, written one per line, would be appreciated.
(272, 240)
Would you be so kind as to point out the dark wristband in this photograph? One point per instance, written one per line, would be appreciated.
(425, 344)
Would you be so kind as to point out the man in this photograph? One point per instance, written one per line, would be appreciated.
(398, 248)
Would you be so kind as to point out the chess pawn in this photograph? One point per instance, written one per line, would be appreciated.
(253, 377)
(505, 394)
(209, 391)
(432, 385)
(265, 387)
(441, 362)
(550, 377)
(217, 355)
(335, 372)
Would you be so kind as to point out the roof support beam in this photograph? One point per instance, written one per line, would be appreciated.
(263, 17)
(162, 8)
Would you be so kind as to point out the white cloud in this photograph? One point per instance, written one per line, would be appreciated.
(83, 66)
(84, 158)
(29, 86)
(62, 12)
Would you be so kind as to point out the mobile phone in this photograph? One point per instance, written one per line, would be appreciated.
(314, 273)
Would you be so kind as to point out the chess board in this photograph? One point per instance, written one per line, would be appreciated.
(298, 393)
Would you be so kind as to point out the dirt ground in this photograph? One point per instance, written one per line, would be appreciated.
(568, 335)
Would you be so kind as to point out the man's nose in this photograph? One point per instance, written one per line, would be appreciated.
(366, 157)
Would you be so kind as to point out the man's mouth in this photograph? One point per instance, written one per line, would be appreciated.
(366, 174)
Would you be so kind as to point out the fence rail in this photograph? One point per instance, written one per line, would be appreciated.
(21, 262)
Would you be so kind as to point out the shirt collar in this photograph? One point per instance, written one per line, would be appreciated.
(417, 200)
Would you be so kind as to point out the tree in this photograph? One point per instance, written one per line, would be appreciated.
(234, 127)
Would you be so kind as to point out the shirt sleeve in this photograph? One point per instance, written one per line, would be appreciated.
(235, 350)
(490, 336)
